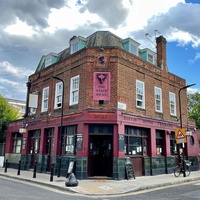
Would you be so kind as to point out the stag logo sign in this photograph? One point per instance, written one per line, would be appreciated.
(101, 86)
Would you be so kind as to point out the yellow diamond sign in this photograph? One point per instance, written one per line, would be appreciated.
(180, 136)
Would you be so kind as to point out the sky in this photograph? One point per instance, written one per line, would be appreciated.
(31, 29)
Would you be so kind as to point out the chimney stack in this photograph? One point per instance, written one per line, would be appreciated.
(161, 52)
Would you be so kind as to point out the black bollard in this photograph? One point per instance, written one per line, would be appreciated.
(6, 165)
(19, 167)
(34, 171)
(51, 176)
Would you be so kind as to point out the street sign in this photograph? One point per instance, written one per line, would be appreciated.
(180, 136)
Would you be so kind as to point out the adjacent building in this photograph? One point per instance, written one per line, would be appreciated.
(99, 102)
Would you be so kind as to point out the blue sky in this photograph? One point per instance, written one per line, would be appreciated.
(36, 28)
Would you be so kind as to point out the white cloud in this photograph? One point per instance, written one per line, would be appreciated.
(20, 28)
(6, 70)
(197, 57)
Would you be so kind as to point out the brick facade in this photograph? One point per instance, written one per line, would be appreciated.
(124, 69)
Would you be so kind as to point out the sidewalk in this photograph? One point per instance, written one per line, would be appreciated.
(101, 186)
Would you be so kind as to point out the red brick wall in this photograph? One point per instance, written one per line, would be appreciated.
(125, 68)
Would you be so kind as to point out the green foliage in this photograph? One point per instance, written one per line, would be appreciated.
(194, 107)
(7, 114)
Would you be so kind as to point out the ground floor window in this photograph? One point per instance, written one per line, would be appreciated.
(68, 141)
(136, 141)
(17, 142)
(159, 142)
(173, 145)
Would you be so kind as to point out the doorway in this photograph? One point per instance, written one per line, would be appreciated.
(34, 146)
(100, 155)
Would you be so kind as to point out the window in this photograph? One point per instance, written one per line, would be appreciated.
(48, 61)
(136, 141)
(45, 98)
(150, 58)
(140, 100)
(74, 47)
(58, 95)
(133, 49)
(17, 142)
(172, 103)
(68, 144)
(159, 142)
(158, 99)
(173, 145)
(74, 90)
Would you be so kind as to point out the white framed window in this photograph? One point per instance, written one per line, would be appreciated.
(150, 58)
(133, 49)
(140, 94)
(45, 99)
(74, 47)
(58, 95)
(48, 60)
(74, 90)
(172, 103)
(158, 99)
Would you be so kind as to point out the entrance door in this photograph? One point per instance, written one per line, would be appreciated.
(100, 155)
(34, 146)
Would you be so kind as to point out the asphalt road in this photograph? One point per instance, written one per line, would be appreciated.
(17, 190)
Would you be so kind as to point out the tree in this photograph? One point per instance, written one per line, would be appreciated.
(194, 107)
(7, 114)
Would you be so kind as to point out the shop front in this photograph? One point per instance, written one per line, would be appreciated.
(99, 143)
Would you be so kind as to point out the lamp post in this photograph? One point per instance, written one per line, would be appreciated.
(61, 125)
(183, 145)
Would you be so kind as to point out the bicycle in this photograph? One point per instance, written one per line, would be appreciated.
(179, 169)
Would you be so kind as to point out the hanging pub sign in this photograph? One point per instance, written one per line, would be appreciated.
(101, 86)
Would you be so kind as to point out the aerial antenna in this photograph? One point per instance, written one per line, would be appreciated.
(156, 31)
(148, 38)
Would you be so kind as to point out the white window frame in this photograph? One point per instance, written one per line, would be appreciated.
(74, 46)
(150, 58)
(45, 99)
(74, 90)
(133, 49)
(48, 60)
(172, 103)
(158, 99)
(58, 95)
(140, 92)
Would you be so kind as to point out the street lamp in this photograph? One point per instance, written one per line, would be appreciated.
(183, 145)
(61, 125)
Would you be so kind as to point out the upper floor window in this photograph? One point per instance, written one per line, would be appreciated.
(150, 58)
(74, 47)
(58, 95)
(158, 99)
(45, 98)
(131, 46)
(140, 96)
(50, 59)
(77, 43)
(172, 103)
(74, 90)
(133, 49)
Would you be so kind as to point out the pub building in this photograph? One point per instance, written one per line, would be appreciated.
(99, 102)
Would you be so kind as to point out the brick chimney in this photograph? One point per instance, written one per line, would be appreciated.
(161, 52)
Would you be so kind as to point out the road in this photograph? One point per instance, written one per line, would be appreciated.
(11, 189)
